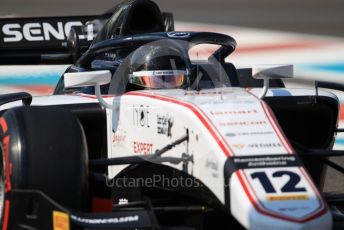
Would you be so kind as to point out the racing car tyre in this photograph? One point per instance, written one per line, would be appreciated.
(44, 148)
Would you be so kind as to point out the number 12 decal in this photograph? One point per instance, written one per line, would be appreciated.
(290, 186)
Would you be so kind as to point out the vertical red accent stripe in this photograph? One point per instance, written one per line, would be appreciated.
(274, 123)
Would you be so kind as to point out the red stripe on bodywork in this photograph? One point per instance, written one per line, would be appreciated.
(321, 210)
(244, 184)
(195, 110)
(274, 123)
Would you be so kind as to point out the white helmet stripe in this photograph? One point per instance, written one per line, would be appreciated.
(158, 73)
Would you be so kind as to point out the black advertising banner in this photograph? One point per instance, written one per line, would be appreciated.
(43, 33)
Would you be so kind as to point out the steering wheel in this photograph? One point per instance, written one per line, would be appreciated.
(227, 44)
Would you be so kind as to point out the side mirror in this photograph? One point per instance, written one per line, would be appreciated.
(90, 78)
(267, 72)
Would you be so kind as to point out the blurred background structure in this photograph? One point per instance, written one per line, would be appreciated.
(324, 17)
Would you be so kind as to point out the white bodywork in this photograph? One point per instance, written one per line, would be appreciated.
(222, 123)
(227, 124)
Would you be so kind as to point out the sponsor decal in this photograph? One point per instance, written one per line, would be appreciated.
(206, 93)
(265, 161)
(238, 101)
(60, 221)
(167, 72)
(118, 139)
(231, 134)
(264, 145)
(114, 220)
(141, 116)
(238, 112)
(242, 123)
(257, 145)
(164, 124)
(158, 73)
(287, 198)
(258, 133)
(221, 102)
(142, 147)
(123, 201)
(42, 31)
(211, 164)
(178, 34)
(239, 146)
(110, 56)
(293, 209)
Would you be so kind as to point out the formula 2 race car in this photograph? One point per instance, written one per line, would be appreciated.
(138, 135)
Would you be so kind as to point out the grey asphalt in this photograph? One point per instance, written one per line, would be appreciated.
(325, 17)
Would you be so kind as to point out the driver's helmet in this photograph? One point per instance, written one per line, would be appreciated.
(157, 67)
